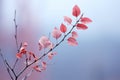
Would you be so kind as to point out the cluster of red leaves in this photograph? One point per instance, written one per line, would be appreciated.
(81, 25)
(28, 54)
(45, 42)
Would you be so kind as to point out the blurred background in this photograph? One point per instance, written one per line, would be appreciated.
(97, 57)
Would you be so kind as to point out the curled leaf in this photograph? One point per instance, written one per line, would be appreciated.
(63, 28)
(76, 11)
(72, 41)
(81, 26)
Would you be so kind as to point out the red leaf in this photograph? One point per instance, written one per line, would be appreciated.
(56, 33)
(44, 65)
(44, 42)
(37, 68)
(72, 41)
(19, 55)
(67, 19)
(76, 11)
(40, 46)
(50, 55)
(23, 50)
(74, 34)
(63, 28)
(86, 20)
(81, 26)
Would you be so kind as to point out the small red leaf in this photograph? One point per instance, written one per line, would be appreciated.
(56, 33)
(81, 26)
(44, 42)
(63, 28)
(50, 55)
(86, 20)
(67, 19)
(23, 50)
(44, 65)
(40, 46)
(37, 68)
(19, 55)
(76, 11)
(74, 34)
(72, 41)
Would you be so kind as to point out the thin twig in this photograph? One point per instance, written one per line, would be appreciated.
(17, 58)
(16, 26)
(9, 73)
(16, 37)
(15, 63)
(6, 65)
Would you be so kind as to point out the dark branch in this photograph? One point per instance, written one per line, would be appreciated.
(6, 65)
(16, 37)
(16, 26)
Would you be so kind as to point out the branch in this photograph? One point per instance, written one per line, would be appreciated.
(6, 65)
(50, 49)
(11, 70)
(16, 26)
(16, 38)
